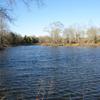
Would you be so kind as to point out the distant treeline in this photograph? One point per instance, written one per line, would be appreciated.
(58, 35)
(9, 38)
(13, 39)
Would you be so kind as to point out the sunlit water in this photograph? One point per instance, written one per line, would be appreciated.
(50, 73)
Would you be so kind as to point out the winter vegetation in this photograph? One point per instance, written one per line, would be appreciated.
(7, 37)
(58, 34)
(70, 36)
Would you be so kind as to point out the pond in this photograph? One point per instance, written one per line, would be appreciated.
(50, 73)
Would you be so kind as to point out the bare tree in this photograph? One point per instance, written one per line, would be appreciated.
(92, 35)
(4, 9)
(6, 16)
(55, 30)
(3, 29)
(69, 34)
(66, 35)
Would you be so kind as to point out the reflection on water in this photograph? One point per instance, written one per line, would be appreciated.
(50, 73)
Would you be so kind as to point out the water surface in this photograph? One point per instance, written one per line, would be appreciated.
(50, 73)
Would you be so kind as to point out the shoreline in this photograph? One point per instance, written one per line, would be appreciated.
(57, 45)
(71, 45)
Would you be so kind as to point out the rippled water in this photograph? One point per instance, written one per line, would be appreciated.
(50, 73)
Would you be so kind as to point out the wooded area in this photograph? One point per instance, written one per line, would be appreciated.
(58, 34)
(8, 37)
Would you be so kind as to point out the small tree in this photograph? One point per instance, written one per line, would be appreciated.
(55, 30)
(92, 34)
(3, 29)
(69, 35)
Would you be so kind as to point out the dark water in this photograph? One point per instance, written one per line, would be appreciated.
(50, 73)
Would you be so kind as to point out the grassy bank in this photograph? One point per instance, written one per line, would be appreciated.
(58, 44)
(71, 45)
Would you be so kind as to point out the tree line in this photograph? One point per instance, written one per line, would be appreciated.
(7, 37)
(14, 39)
(58, 34)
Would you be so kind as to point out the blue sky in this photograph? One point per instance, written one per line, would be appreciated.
(69, 12)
